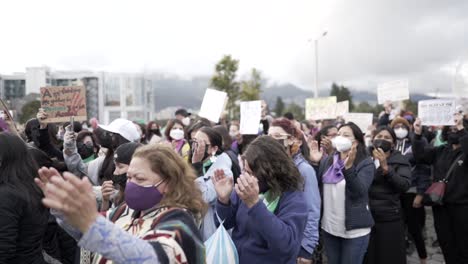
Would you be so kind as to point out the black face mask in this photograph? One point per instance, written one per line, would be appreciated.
(205, 156)
(120, 179)
(85, 150)
(382, 144)
(453, 138)
(155, 131)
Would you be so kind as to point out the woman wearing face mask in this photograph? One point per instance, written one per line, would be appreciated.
(414, 212)
(153, 133)
(87, 147)
(346, 177)
(208, 157)
(392, 178)
(113, 191)
(109, 137)
(290, 137)
(324, 139)
(451, 218)
(266, 207)
(159, 220)
(175, 134)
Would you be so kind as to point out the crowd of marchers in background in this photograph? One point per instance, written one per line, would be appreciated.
(297, 192)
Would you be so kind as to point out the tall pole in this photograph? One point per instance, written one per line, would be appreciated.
(316, 69)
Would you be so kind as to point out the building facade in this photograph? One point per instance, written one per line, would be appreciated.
(108, 95)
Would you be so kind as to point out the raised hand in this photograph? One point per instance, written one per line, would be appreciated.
(223, 186)
(45, 174)
(198, 151)
(42, 117)
(380, 155)
(316, 154)
(107, 190)
(73, 197)
(417, 127)
(247, 189)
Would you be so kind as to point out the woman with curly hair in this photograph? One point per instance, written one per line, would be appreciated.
(158, 223)
(267, 210)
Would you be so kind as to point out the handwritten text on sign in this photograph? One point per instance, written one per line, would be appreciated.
(436, 112)
(314, 106)
(393, 91)
(62, 102)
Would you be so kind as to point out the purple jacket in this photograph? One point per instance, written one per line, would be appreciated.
(261, 236)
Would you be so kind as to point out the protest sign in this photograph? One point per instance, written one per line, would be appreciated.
(332, 111)
(251, 112)
(63, 102)
(213, 105)
(393, 91)
(362, 120)
(313, 106)
(436, 112)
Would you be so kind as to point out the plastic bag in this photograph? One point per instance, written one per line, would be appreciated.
(220, 248)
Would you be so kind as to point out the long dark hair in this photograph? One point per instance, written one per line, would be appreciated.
(322, 132)
(269, 161)
(214, 137)
(227, 140)
(18, 169)
(359, 136)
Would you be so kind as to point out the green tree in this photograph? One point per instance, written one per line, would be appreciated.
(251, 89)
(279, 106)
(296, 110)
(342, 94)
(224, 79)
(411, 106)
(364, 107)
(29, 110)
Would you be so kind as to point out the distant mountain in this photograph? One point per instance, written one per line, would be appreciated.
(188, 93)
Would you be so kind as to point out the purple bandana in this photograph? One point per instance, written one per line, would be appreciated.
(334, 174)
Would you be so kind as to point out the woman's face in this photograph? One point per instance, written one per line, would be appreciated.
(154, 126)
(202, 137)
(384, 135)
(177, 126)
(234, 131)
(140, 173)
(347, 133)
(120, 168)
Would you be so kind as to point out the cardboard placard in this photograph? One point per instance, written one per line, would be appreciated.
(313, 106)
(213, 105)
(333, 111)
(393, 91)
(437, 112)
(251, 113)
(362, 120)
(63, 102)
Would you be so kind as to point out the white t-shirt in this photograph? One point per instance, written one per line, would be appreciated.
(333, 220)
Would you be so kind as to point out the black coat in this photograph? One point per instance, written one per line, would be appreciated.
(22, 227)
(385, 191)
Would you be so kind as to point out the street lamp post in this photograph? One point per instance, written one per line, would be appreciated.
(316, 62)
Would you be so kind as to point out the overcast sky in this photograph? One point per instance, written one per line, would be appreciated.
(368, 41)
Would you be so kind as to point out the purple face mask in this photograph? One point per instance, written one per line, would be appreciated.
(140, 198)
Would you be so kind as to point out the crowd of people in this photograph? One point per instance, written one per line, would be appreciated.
(296, 192)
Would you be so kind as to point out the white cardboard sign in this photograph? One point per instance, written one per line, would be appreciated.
(213, 105)
(251, 113)
(393, 91)
(436, 112)
(314, 106)
(362, 120)
(333, 111)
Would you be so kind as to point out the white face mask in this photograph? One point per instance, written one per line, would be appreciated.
(233, 134)
(401, 133)
(342, 144)
(176, 134)
(186, 121)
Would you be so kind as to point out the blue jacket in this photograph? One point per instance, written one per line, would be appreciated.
(261, 236)
(313, 200)
(358, 181)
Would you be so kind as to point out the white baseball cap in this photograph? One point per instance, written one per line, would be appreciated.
(123, 127)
